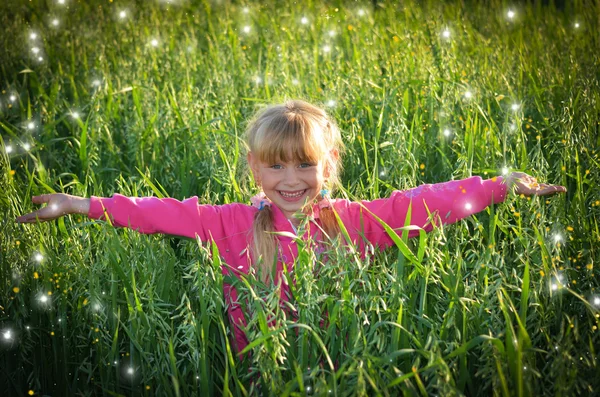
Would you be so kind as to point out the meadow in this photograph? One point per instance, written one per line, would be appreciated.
(152, 98)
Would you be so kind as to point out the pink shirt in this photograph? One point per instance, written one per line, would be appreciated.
(230, 225)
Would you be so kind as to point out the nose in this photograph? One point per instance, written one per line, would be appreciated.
(291, 176)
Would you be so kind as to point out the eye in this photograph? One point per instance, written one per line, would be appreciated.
(276, 166)
(305, 165)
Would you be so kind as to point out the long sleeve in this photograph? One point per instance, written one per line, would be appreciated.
(448, 202)
(186, 218)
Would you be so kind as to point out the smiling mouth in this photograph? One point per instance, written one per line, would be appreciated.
(292, 196)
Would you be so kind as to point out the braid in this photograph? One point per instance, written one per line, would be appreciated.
(265, 244)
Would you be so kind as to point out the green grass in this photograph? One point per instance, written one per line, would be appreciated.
(471, 310)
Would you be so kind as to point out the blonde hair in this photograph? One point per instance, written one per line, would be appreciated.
(293, 130)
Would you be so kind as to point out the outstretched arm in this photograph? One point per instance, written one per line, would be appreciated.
(147, 215)
(450, 201)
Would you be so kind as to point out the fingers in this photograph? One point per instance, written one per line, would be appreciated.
(551, 189)
(42, 198)
(32, 217)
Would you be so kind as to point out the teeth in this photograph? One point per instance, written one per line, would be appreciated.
(292, 195)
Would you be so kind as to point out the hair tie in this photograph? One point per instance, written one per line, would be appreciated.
(260, 201)
(324, 202)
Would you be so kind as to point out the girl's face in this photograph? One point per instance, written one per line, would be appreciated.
(289, 185)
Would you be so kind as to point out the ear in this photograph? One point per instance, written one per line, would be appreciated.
(334, 155)
(253, 163)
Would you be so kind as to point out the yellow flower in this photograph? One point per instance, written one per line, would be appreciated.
(85, 302)
(16, 290)
(396, 39)
(49, 292)
(12, 172)
(589, 266)
(350, 27)
(542, 273)
(422, 166)
(52, 333)
(570, 228)
(31, 392)
(17, 242)
(36, 275)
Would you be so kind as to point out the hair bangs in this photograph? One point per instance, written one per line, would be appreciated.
(287, 140)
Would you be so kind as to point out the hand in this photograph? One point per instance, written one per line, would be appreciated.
(528, 185)
(59, 204)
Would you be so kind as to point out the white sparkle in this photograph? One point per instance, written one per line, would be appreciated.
(33, 36)
(510, 14)
(53, 207)
(115, 363)
(447, 132)
(361, 12)
(31, 125)
(468, 95)
(60, 320)
(554, 287)
(96, 83)
(12, 98)
(326, 48)
(246, 10)
(515, 106)
(75, 115)
(97, 307)
(295, 82)
(27, 327)
(7, 335)
(382, 174)
(246, 29)
(446, 33)
(257, 80)
(576, 25)
(122, 14)
(55, 22)
(304, 20)
(504, 170)
(40, 59)
(130, 370)
(39, 257)
(513, 127)
(9, 149)
(154, 43)
(557, 238)
(308, 389)
(597, 301)
(61, 1)
(35, 50)
(26, 146)
(43, 299)
(331, 33)
(331, 103)
(525, 367)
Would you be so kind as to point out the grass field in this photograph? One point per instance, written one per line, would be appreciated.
(152, 98)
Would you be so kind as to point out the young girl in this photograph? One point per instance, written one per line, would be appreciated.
(294, 157)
